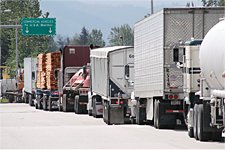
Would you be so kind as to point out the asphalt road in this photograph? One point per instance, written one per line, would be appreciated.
(24, 127)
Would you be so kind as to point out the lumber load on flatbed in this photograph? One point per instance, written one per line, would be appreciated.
(52, 64)
(41, 74)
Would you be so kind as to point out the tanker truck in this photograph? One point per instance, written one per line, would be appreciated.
(205, 109)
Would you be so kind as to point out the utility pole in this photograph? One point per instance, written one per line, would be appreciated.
(152, 11)
(16, 27)
(0, 60)
(16, 50)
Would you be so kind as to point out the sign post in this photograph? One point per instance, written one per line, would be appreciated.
(38, 26)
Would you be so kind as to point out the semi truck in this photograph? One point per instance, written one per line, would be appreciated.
(30, 70)
(158, 87)
(47, 86)
(69, 62)
(12, 89)
(112, 77)
(77, 89)
(204, 103)
(72, 59)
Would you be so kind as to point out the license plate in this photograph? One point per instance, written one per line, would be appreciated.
(175, 102)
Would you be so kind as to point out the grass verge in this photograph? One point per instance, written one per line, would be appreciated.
(3, 100)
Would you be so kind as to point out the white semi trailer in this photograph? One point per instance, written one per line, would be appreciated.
(158, 86)
(112, 74)
(206, 108)
(30, 71)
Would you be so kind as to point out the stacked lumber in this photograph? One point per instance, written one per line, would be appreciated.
(52, 64)
(41, 74)
(20, 80)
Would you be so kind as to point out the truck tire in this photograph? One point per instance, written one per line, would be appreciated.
(44, 103)
(89, 113)
(157, 123)
(76, 107)
(139, 120)
(202, 136)
(16, 99)
(195, 118)
(80, 108)
(39, 105)
(190, 132)
(50, 104)
(36, 106)
(94, 111)
(217, 136)
(26, 98)
(64, 103)
(108, 114)
(31, 103)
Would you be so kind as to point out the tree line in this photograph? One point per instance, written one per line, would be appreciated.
(122, 35)
(30, 46)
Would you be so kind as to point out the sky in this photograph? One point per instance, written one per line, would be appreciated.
(72, 15)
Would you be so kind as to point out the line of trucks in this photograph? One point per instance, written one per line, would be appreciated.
(170, 77)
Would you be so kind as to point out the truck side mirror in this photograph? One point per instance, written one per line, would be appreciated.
(33, 75)
(176, 55)
(84, 71)
(127, 71)
(56, 74)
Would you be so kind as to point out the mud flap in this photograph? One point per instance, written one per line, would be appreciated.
(116, 115)
(166, 119)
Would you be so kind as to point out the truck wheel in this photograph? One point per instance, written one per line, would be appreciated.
(190, 128)
(82, 108)
(94, 111)
(203, 136)
(50, 104)
(31, 103)
(26, 98)
(38, 99)
(36, 106)
(195, 117)
(139, 120)
(15, 99)
(44, 103)
(60, 108)
(76, 109)
(217, 136)
(108, 114)
(64, 103)
(89, 113)
(157, 123)
(60, 105)
(190, 132)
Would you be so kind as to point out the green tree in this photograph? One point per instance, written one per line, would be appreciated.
(123, 35)
(75, 40)
(96, 38)
(28, 46)
(213, 3)
(221, 3)
(83, 39)
(62, 41)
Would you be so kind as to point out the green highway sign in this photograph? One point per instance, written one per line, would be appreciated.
(38, 26)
